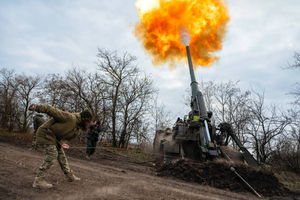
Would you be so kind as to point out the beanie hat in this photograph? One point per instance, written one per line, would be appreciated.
(86, 115)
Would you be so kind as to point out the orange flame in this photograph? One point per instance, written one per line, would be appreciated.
(161, 22)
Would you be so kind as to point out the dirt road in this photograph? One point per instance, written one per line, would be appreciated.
(99, 181)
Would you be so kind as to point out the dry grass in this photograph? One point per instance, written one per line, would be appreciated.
(289, 179)
(19, 138)
(132, 152)
(141, 153)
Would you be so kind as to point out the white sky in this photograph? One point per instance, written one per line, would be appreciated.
(39, 36)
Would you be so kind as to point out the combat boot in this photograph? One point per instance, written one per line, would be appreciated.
(41, 183)
(71, 177)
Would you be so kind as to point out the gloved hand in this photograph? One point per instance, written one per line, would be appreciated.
(32, 107)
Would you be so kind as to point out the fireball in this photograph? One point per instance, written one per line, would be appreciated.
(164, 24)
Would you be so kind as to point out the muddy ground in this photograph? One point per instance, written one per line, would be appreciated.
(219, 174)
(107, 176)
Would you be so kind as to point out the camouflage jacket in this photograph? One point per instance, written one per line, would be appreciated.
(60, 128)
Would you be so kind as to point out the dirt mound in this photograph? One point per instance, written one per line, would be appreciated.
(218, 174)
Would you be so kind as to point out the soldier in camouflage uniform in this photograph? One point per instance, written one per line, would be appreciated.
(53, 136)
(38, 120)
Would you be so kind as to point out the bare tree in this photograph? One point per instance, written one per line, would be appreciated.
(87, 90)
(139, 131)
(267, 124)
(136, 94)
(295, 147)
(296, 65)
(287, 153)
(238, 113)
(208, 90)
(76, 83)
(118, 95)
(78, 90)
(228, 104)
(117, 69)
(55, 92)
(291, 150)
(162, 118)
(26, 92)
(8, 99)
(224, 93)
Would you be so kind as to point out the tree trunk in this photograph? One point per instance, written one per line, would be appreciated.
(114, 116)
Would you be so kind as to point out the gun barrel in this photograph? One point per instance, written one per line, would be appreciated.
(197, 97)
(197, 103)
(194, 83)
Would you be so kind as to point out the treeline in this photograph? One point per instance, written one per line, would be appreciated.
(271, 133)
(117, 93)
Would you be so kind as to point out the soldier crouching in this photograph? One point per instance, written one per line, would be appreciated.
(53, 135)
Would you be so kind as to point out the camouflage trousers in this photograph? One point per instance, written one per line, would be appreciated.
(52, 153)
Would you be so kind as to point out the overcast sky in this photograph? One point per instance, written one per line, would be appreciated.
(39, 36)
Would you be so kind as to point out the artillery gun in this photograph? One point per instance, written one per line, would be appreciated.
(196, 137)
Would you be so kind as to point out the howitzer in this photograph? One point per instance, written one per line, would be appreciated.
(195, 137)
(190, 137)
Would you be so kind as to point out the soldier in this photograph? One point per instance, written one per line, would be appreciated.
(38, 120)
(53, 135)
(92, 138)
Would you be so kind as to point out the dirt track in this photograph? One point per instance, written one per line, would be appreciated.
(99, 181)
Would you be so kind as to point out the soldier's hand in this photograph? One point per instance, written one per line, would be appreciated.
(32, 107)
(65, 146)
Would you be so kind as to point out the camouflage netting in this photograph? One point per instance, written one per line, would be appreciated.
(218, 174)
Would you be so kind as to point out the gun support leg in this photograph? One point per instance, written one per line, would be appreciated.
(207, 135)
